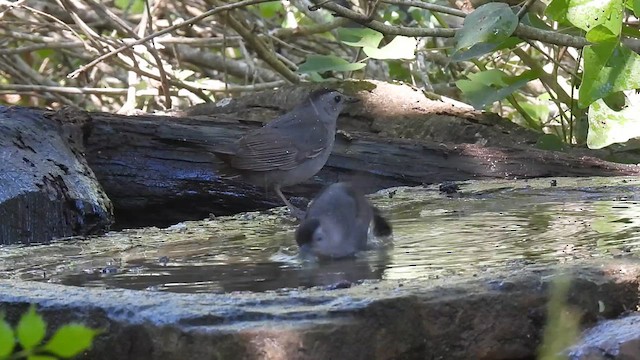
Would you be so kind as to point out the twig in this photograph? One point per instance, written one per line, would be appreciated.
(114, 19)
(193, 20)
(522, 31)
(523, 10)
(262, 50)
(123, 91)
(428, 6)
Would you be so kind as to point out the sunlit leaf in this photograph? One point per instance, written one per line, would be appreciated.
(359, 37)
(607, 126)
(486, 87)
(604, 74)
(7, 340)
(538, 112)
(401, 47)
(492, 22)
(31, 329)
(601, 33)
(587, 14)
(321, 63)
(70, 340)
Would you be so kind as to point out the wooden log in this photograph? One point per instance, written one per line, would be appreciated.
(159, 169)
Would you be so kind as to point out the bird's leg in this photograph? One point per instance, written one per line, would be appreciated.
(297, 213)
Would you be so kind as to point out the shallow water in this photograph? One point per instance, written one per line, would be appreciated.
(488, 225)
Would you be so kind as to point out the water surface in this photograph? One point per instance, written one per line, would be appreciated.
(488, 225)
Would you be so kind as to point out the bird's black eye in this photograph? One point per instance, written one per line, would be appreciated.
(337, 99)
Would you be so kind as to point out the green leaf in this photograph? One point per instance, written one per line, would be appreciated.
(630, 31)
(418, 14)
(45, 53)
(587, 14)
(359, 37)
(70, 340)
(321, 63)
(550, 142)
(41, 357)
(31, 329)
(601, 33)
(492, 22)
(399, 71)
(616, 101)
(557, 10)
(607, 126)
(270, 9)
(486, 87)
(7, 340)
(401, 47)
(538, 112)
(595, 58)
(636, 8)
(133, 6)
(480, 49)
(607, 69)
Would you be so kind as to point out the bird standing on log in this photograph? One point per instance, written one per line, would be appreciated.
(291, 148)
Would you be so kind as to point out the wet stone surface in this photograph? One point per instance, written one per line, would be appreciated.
(469, 275)
(502, 225)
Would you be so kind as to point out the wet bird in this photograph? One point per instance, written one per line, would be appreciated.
(291, 148)
(338, 222)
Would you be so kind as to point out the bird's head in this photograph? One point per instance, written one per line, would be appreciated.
(328, 103)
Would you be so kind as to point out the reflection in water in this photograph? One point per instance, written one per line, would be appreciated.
(221, 278)
(433, 238)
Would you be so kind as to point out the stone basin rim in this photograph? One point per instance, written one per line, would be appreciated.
(299, 305)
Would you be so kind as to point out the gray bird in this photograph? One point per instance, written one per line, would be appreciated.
(337, 223)
(291, 148)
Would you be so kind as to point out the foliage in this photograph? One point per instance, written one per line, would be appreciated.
(563, 321)
(567, 69)
(27, 339)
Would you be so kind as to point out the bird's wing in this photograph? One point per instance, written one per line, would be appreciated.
(267, 149)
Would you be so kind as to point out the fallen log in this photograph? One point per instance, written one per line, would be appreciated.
(159, 170)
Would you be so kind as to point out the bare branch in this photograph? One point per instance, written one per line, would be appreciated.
(166, 31)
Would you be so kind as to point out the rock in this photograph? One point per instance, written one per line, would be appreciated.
(456, 318)
(612, 339)
(47, 190)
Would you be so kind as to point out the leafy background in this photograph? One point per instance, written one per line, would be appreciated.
(565, 68)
